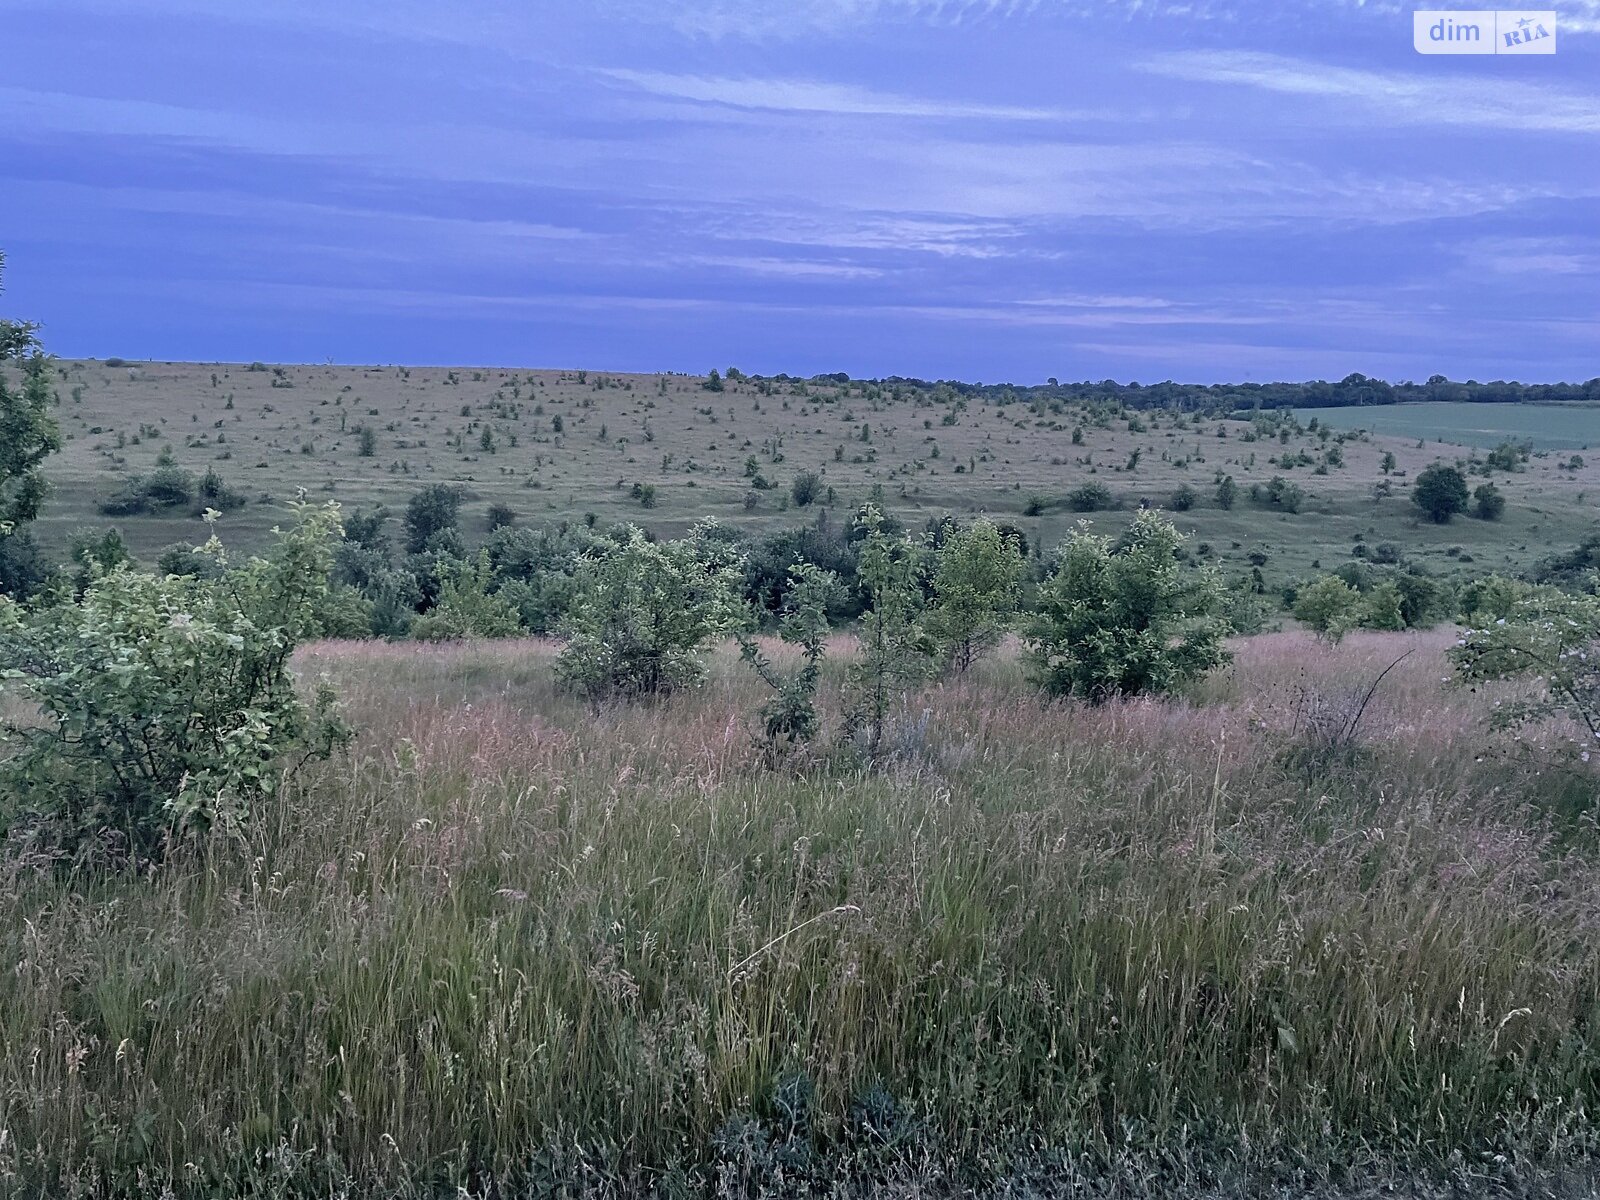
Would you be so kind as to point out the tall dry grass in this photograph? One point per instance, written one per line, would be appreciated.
(507, 944)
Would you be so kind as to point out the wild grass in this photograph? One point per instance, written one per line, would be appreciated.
(512, 948)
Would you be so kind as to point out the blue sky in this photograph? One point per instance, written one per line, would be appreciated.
(983, 189)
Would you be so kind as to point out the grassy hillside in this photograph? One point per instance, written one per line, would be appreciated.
(554, 444)
(1147, 947)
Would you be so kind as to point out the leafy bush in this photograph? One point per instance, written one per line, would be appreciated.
(1090, 497)
(168, 702)
(805, 489)
(641, 615)
(1441, 492)
(977, 588)
(1488, 502)
(433, 511)
(1550, 638)
(790, 717)
(1330, 607)
(467, 606)
(1125, 619)
(894, 646)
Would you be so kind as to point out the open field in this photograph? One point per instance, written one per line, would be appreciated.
(1147, 948)
(1544, 426)
(562, 444)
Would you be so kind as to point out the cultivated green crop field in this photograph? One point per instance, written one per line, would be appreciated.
(1545, 426)
(561, 444)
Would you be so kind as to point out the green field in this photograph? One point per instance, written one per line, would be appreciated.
(556, 445)
(1545, 426)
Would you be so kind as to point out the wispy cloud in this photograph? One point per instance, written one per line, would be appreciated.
(1396, 96)
(818, 96)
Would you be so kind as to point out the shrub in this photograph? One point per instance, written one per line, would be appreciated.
(1183, 499)
(213, 492)
(1551, 639)
(168, 701)
(1090, 497)
(1330, 607)
(894, 648)
(501, 516)
(1125, 619)
(790, 717)
(432, 511)
(977, 588)
(466, 606)
(641, 615)
(1488, 503)
(1441, 492)
(807, 486)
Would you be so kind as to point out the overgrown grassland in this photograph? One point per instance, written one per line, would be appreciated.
(555, 445)
(1153, 946)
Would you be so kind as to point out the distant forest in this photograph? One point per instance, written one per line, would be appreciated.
(1230, 397)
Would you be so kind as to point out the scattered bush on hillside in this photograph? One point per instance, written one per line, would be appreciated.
(1090, 497)
(1125, 618)
(642, 614)
(168, 701)
(1440, 492)
(1488, 502)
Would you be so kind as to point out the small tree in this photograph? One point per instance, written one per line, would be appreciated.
(642, 613)
(1488, 503)
(432, 511)
(1441, 492)
(367, 444)
(1548, 637)
(1090, 497)
(790, 717)
(27, 437)
(977, 588)
(168, 701)
(1330, 607)
(1125, 618)
(894, 647)
(1227, 493)
(807, 486)
(467, 606)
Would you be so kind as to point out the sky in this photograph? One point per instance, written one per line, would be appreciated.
(989, 190)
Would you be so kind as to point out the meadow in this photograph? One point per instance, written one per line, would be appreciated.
(508, 946)
(1545, 426)
(558, 445)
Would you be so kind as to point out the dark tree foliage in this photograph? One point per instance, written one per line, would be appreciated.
(1441, 492)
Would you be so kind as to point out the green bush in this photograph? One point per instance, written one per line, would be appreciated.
(642, 613)
(1550, 639)
(895, 648)
(1441, 492)
(168, 705)
(1090, 497)
(977, 589)
(1330, 607)
(1488, 502)
(467, 606)
(1127, 618)
(790, 717)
